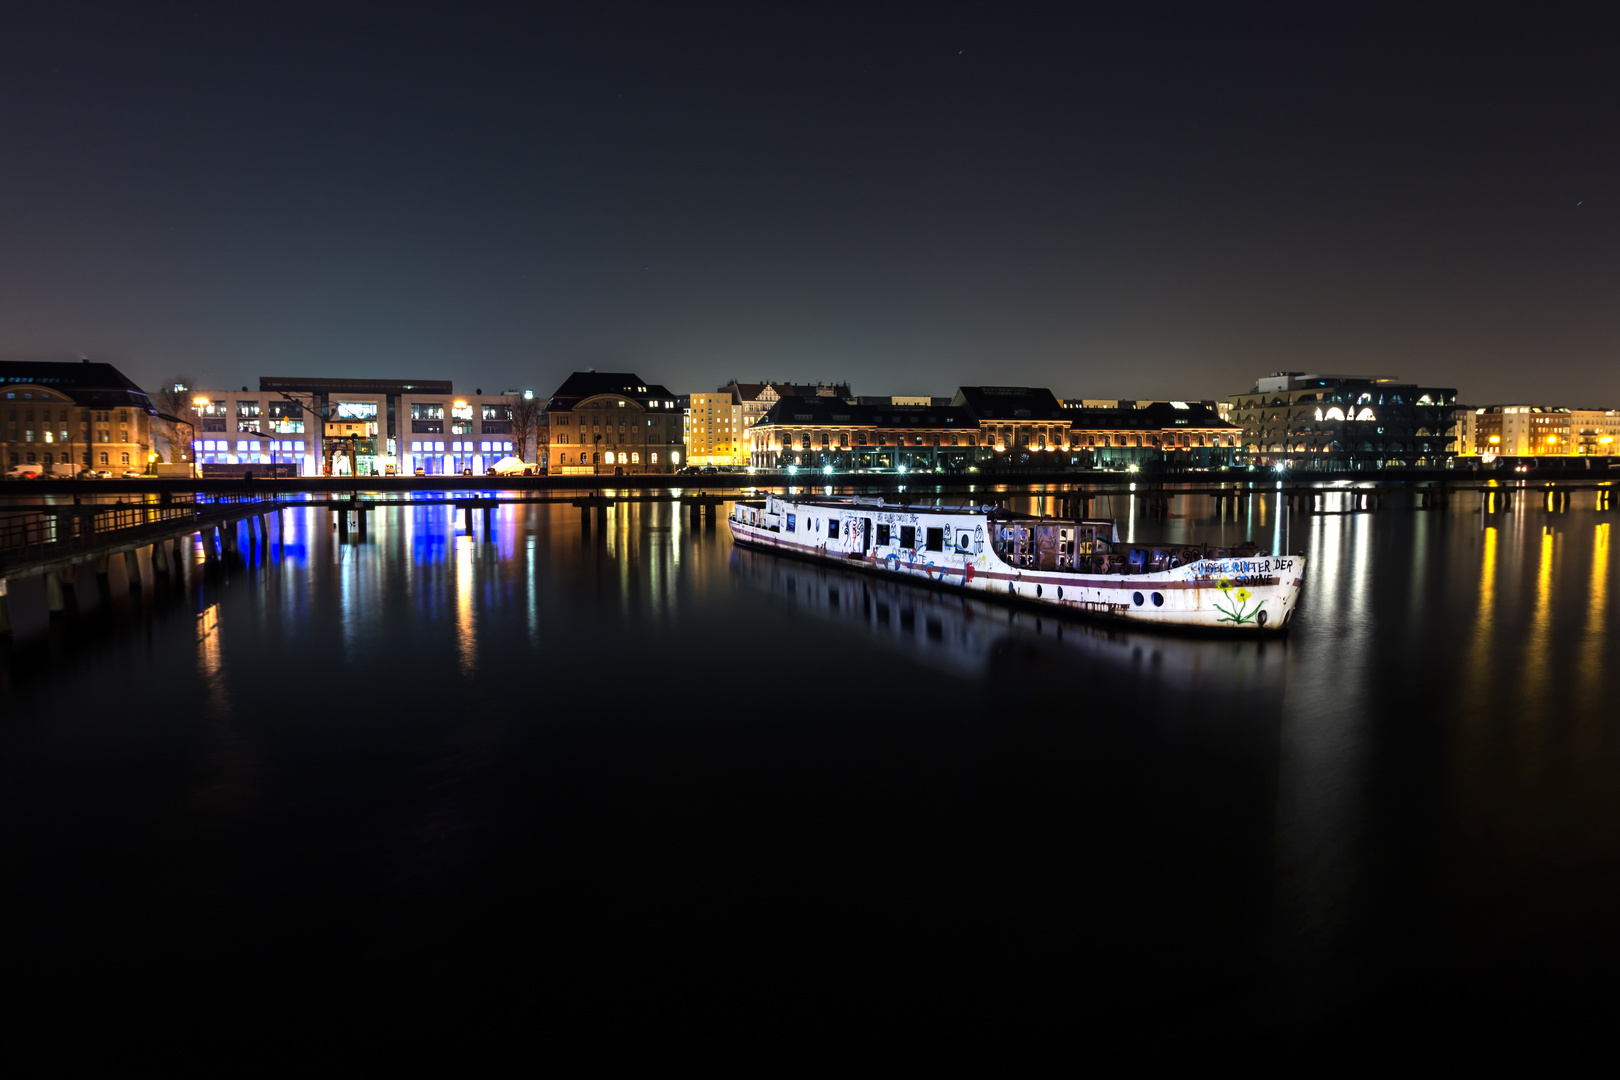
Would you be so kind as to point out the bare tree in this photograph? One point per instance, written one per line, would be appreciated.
(175, 400)
(525, 413)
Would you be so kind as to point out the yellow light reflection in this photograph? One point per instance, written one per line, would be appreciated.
(1596, 612)
(1484, 622)
(1536, 657)
(466, 640)
(208, 656)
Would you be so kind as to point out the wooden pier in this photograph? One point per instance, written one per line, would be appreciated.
(63, 543)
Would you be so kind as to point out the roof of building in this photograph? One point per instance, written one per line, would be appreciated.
(743, 392)
(85, 382)
(818, 411)
(588, 384)
(387, 387)
(1010, 403)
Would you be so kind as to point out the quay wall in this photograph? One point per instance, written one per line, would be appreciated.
(740, 481)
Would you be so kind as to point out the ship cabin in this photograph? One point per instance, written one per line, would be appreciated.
(1044, 544)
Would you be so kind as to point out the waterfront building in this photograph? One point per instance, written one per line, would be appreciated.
(1540, 431)
(613, 422)
(1595, 432)
(1181, 434)
(362, 427)
(1020, 426)
(1344, 422)
(714, 430)
(827, 432)
(67, 417)
(1024, 425)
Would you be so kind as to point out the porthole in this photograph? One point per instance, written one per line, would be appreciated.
(1158, 599)
(1037, 590)
(1136, 598)
(1060, 592)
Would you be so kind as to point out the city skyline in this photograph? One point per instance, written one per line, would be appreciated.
(1115, 205)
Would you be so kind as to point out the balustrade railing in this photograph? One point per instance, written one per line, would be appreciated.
(44, 531)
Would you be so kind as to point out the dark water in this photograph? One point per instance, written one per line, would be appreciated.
(640, 757)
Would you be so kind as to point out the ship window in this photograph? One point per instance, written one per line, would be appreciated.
(832, 528)
(908, 536)
(963, 542)
(792, 522)
(883, 535)
(936, 539)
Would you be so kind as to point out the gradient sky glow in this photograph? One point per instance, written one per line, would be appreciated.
(1142, 204)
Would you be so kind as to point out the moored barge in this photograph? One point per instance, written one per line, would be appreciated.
(1078, 566)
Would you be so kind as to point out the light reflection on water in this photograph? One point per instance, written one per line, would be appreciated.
(543, 706)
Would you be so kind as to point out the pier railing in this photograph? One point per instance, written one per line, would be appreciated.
(51, 531)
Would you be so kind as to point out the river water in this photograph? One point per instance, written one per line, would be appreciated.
(633, 750)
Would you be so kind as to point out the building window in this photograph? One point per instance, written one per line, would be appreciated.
(652, 459)
(103, 459)
(123, 459)
(635, 459)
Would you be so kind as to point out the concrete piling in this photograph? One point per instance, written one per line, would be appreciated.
(132, 567)
(53, 592)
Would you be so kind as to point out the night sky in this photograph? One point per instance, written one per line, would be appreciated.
(1113, 201)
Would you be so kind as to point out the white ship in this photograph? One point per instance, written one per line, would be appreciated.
(1075, 566)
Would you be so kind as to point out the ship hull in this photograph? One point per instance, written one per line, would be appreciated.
(1254, 595)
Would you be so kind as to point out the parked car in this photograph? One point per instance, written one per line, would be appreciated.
(25, 472)
(133, 474)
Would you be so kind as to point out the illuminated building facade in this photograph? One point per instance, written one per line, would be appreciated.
(825, 432)
(1016, 426)
(714, 430)
(1542, 431)
(67, 417)
(613, 423)
(1180, 434)
(1344, 422)
(359, 427)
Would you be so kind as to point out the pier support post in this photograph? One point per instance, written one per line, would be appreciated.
(53, 592)
(360, 517)
(132, 567)
(585, 517)
(160, 559)
(489, 520)
(209, 538)
(5, 609)
(466, 518)
(343, 524)
(103, 565)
